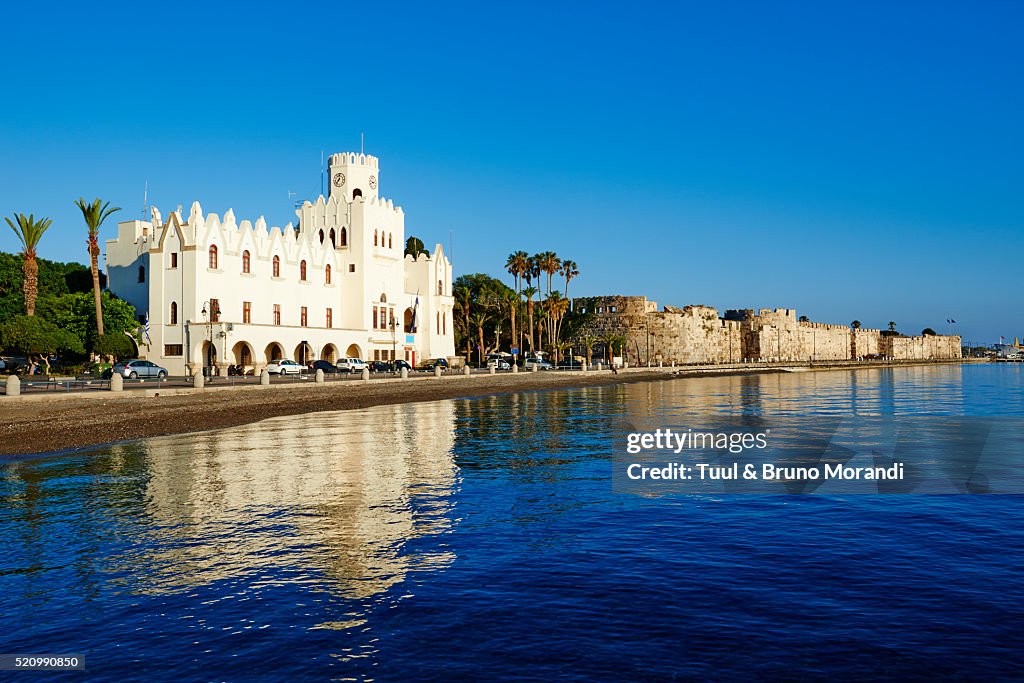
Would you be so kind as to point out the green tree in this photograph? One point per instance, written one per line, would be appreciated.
(414, 247)
(115, 346)
(928, 332)
(37, 338)
(95, 214)
(76, 314)
(855, 324)
(29, 232)
(570, 271)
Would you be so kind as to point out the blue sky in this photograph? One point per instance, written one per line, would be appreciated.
(853, 160)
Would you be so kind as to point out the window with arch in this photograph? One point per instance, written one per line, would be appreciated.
(277, 266)
(374, 238)
(333, 243)
(383, 298)
(344, 238)
(321, 236)
(246, 261)
(142, 273)
(440, 287)
(389, 240)
(357, 193)
(173, 318)
(439, 323)
(327, 274)
(302, 271)
(444, 323)
(213, 257)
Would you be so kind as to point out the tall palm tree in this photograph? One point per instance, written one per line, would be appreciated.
(892, 326)
(557, 308)
(569, 271)
(548, 262)
(509, 301)
(855, 324)
(516, 267)
(528, 293)
(94, 215)
(29, 232)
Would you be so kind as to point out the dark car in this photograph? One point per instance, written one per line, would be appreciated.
(379, 366)
(431, 363)
(328, 367)
(570, 364)
(397, 365)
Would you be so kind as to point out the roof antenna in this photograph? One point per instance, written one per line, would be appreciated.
(362, 141)
(145, 200)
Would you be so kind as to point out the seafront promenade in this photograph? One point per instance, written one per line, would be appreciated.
(53, 421)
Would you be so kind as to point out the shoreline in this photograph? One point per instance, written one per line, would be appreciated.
(47, 424)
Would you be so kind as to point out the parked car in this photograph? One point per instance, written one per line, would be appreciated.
(13, 363)
(133, 369)
(284, 367)
(539, 362)
(379, 366)
(430, 363)
(570, 364)
(397, 365)
(499, 363)
(327, 366)
(351, 365)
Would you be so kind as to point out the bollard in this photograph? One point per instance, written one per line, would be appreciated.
(515, 367)
(405, 373)
(13, 385)
(583, 366)
(535, 367)
(467, 371)
(319, 376)
(264, 378)
(198, 381)
(116, 382)
(493, 369)
(366, 374)
(437, 371)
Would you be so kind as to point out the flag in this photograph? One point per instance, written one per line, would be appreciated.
(146, 329)
(415, 310)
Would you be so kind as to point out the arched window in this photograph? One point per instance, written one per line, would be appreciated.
(302, 271)
(246, 262)
(333, 243)
(174, 313)
(444, 323)
(357, 193)
(439, 323)
(344, 238)
(321, 236)
(440, 287)
(277, 266)
(142, 273)
(327, 275)
(374, 238)
(389, 240)
(213, 257)
(383, 298)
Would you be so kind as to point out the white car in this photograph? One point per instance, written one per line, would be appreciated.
(541, 364)
(284, 367)
(499, 364)
(350, 365)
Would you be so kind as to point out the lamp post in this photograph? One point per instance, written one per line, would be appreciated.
(394, 339)
(208, 314)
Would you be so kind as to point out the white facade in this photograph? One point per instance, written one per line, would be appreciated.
(220, 292)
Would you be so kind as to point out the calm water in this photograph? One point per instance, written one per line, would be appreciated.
(481, 539)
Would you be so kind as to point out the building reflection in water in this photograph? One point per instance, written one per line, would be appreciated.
(330, 499)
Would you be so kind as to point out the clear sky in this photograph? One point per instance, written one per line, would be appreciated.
(857, 160)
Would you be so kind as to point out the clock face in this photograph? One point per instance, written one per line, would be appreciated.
(339, 179)
(373, 182)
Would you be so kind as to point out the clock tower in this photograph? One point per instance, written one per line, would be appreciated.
(353, 175)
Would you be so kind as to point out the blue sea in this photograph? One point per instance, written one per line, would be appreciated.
(482, 539)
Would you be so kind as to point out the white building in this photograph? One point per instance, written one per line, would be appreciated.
(219, 292)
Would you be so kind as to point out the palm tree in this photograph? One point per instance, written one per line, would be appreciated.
(94, 215)
(29, 232)
(569, 271)
(892, 326)
(516, 267)
(478, 320)
(548, 262)
(557, 306)
(855, 324)
(509, 301)
(528, 293)
(588, 341)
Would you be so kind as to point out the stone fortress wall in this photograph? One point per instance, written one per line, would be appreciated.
(697, 334)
